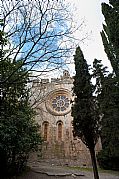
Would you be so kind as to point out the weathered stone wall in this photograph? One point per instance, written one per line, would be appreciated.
(52, 104)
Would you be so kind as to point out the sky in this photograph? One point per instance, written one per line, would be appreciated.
(90, 12)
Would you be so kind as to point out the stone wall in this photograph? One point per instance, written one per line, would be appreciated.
(53, 107)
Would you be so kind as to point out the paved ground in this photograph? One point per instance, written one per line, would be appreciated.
(46, 171)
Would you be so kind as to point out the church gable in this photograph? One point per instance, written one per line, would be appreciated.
(55, 121)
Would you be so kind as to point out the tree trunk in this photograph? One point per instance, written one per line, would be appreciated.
(94, 164)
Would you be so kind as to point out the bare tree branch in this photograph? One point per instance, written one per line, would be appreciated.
(39, 32)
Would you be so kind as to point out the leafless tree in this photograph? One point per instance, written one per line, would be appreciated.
(40, 33)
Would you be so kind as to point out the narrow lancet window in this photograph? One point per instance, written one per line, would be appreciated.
(45, 130)
(59, 130)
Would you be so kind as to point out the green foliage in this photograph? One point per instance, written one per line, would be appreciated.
(110, 33)
(108, 162)
(86, 120)
(109, 89)
(99, 72)
(18, 132)
(85, 109)
(18, 136)
(108, 98)
(109, 102)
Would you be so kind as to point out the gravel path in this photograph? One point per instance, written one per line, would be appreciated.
(46, 171)
(32, 175)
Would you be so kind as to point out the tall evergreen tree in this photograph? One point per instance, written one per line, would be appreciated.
(84, 110)
(108, 98)
(110, 33)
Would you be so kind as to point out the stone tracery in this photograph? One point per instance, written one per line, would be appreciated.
(60, 103)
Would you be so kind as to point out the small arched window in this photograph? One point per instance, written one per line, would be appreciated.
(45, 130)
(59, 130)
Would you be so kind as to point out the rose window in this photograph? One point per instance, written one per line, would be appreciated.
(60, 103)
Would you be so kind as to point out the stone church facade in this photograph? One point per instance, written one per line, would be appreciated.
(52, 101)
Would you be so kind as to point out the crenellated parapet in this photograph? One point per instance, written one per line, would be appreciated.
(65, 78)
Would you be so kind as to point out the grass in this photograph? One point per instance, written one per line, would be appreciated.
(89, 169)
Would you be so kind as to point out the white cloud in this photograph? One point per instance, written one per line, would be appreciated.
(91, 11)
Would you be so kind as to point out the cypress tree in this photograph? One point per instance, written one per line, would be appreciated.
(110, 33)
(108, 98)
(84, 110)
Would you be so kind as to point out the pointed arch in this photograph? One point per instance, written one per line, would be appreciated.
(59, 130)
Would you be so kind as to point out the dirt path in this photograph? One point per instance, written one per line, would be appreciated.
(32, 175)
(45, 171)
